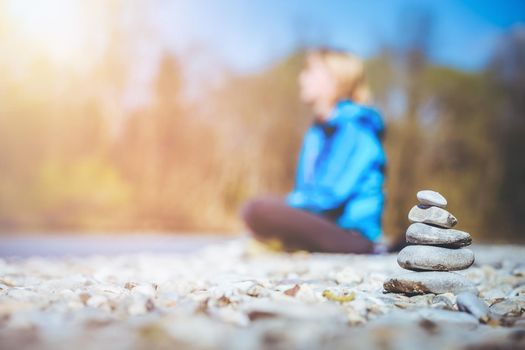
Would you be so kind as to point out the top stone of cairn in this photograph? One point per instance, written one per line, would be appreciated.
(427, 197)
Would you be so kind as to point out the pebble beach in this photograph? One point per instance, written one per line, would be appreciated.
(230, 296)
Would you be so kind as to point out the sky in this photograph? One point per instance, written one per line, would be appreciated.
(248, 36)
(251, 34)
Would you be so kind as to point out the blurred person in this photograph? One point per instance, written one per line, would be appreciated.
(336, 204)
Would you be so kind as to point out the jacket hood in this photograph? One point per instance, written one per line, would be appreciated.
(347, 111)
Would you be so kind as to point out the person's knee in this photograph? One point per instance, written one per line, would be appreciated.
(251, 210)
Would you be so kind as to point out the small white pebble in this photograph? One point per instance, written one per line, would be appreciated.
(428, 197)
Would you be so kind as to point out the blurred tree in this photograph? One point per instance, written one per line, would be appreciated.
(264, 113)
(148, 144)
(459, 150)
(507, 75)
(396, 76)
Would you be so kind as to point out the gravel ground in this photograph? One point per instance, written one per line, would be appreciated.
(229, 295)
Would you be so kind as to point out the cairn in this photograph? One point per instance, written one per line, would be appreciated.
(436, 250)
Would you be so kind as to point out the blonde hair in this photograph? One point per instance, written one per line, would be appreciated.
(349, 72)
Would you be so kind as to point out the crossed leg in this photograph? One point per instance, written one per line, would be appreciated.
(271, 218)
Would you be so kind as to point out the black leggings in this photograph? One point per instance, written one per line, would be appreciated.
(271, 218)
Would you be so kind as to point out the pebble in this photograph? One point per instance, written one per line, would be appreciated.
(432, 215)
(520, 290)
(494, 295)
(468, 302)
(419, 233)
(519, 270)
(448, 299)
(432, 258)
(97, 301)
(507, 307)
(347, 276)
(146, 290)
(436, 282)
(427, 197)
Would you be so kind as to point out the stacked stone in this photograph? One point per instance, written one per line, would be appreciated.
(436, 250)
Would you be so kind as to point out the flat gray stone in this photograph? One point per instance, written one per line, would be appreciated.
(428, 197)
(430, 258)
(432, 215)
(419, 233)
(436, 282)
(470, 303)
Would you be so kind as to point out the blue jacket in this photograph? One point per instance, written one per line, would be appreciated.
(340, 169)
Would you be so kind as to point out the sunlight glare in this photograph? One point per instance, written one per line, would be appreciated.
(58, 29)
